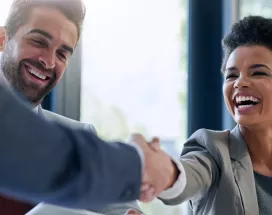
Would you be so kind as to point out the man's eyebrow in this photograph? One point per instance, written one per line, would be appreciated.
(40, 31)
(50, 37)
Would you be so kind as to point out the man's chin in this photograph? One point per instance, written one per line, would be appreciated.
(33, 98)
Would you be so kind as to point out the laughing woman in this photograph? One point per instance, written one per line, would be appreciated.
(230, 173)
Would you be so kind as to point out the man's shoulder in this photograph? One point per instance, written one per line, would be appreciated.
(71, 123)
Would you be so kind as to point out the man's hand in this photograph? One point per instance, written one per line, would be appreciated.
(132, 212)
(160, 173)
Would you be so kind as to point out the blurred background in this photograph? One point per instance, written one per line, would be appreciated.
(150, 66)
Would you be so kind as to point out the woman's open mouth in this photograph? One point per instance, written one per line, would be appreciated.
(245, 103)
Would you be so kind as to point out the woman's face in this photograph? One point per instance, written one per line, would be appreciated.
(247, 85)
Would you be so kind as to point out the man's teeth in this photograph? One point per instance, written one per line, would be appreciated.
(239, 99)
(32, 71)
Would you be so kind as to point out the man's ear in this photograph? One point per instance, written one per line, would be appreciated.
(3, 37)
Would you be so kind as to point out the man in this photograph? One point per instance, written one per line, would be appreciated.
(36, 51)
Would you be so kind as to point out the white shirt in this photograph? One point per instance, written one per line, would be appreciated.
(35, 109)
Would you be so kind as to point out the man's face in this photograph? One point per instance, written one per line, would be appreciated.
(34, 59)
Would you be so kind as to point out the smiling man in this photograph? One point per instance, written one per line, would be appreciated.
(38, 40)
(36, 55)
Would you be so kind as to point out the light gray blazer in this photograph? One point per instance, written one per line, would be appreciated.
(219, 174)
(113, 209)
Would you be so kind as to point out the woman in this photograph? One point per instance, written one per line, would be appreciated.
(229, 173)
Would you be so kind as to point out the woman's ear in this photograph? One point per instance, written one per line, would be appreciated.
(2, 38)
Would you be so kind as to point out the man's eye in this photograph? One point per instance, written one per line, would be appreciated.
(63, 56)
(38, 42)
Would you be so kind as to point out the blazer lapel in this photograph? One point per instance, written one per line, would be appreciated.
(243, 172)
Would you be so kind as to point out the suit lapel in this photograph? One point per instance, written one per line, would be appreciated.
(243, 172)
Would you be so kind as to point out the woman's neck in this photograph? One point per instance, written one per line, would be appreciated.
(259, 142)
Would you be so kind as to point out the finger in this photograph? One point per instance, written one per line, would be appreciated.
(155, 143)
(155, 139)
(132, 212)
(146, 199)
(147, 196)
(143, 198)
(148, 192)
(152, 191)
(137, 139)
(145, 187)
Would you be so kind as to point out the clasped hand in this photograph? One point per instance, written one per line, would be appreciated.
(159, 173)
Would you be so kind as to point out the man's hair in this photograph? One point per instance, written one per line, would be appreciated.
(251, 30)
(73, 10)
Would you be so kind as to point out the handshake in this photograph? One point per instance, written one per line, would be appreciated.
(159, 171)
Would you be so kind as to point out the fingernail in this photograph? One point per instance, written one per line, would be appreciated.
(145, 187)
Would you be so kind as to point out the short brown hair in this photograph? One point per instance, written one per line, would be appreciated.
(74, 10)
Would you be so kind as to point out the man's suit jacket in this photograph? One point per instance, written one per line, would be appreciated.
(46, 161)
(219, 174)
(113, 209)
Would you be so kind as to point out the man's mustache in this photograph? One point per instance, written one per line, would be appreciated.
(38, 65)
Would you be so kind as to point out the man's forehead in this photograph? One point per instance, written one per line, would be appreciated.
(54, 23)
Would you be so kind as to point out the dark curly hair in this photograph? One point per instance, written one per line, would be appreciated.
(251, 30)
(74, 10)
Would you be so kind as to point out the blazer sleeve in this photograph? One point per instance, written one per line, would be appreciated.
(45, 161)
(113, 209)
(200, 169)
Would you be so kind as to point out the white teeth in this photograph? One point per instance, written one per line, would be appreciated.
(32, 71)
(240, 107)
(239, 99)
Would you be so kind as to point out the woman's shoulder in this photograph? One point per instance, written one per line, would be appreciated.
(214, 142)
(207, 136)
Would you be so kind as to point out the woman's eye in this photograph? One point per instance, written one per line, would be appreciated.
(230, 76)
(259, 73)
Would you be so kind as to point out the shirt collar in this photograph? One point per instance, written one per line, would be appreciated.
(36, 109)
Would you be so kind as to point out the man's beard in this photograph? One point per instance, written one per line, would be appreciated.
(13, 72)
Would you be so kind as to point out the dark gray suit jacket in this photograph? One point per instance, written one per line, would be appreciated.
(112, 209)
(219, 174)
(46, 161)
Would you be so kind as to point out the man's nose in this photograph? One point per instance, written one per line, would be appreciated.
(48, 59)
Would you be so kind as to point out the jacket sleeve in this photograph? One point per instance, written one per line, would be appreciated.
(44, 161)
(199, 170)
